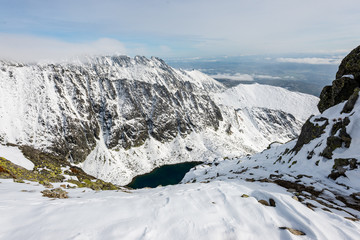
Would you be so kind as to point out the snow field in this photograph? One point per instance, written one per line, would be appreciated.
(241, 96)
(212, 210)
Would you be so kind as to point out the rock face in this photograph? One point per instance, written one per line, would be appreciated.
(118, 117)
(331, 139)
(152, 110)
(347, 80)
(350, 64)
(310, 131)
(334, 134)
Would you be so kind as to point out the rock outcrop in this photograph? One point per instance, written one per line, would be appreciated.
(347, 80)
(339, 123)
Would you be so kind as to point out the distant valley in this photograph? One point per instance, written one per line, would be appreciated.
(291, 72)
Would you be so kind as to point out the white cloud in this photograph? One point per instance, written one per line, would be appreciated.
(278, 26)
(30, 48)
(313, 60)
(266, 77)
(243, 77)
(237, 77)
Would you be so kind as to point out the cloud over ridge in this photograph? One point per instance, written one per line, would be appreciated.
(27, 48)
(311, 60)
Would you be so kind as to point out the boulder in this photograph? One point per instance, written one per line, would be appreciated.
(264, 202)
(55, 193)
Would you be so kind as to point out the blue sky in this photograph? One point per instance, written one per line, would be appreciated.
(38, 29)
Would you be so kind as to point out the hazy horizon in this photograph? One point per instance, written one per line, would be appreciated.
(38, 30)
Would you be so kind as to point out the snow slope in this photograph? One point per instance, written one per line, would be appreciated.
(14, 155)
(214, 210)
(319, 179)
(282, 159)
(242, 96)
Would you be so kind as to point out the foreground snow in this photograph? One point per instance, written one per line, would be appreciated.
(214, 210)
(306, 172)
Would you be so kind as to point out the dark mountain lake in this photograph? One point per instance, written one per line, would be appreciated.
(164, 175)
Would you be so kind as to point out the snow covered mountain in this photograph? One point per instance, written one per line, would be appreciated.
(307, 188)
(117, 117)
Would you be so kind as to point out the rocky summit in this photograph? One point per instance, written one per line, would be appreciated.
(346, 82)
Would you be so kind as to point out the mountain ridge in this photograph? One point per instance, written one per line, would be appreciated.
(117, 116)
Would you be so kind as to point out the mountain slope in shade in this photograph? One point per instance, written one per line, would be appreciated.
(117, 117)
